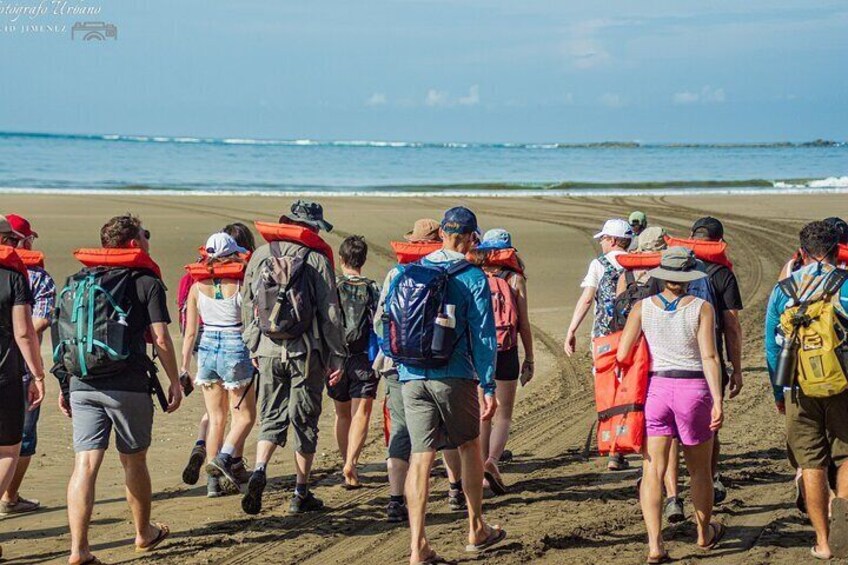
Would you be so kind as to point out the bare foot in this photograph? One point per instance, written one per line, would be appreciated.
(351, 477)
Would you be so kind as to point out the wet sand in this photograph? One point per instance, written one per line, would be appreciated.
(561, 508)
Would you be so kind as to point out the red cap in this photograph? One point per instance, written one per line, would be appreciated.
(20, 225)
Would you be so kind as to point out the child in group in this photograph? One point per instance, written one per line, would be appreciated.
(354, 394)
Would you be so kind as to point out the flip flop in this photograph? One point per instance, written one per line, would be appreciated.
(164, 532)
(819, 555)
(656, 560)
(838, 538)
(495, 483)
(718, 530)
(348, 486)
(92, 560)
(496, 536)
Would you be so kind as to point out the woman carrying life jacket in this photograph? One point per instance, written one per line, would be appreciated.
(224, 370)
(684, 393)
(244, 238)
(505, 271)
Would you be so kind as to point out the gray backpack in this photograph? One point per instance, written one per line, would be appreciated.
(285, 301)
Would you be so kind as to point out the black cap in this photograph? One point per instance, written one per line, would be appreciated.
(713, 227)
(309, 213)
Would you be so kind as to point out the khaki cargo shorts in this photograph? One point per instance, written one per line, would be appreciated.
(441, 414)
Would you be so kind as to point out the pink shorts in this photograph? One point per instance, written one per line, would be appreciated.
(680, 408)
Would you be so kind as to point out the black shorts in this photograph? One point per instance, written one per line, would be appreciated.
(358, 381)
(508, 367)
(12, 410)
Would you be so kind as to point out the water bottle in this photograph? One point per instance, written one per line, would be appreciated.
(444, 333)
(787, 363)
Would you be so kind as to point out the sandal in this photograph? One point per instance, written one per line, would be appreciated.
(656, 560)
(435, 559)
(92, 560)
(495, 483)
(718, 530)
(164, 532)
(496, 535)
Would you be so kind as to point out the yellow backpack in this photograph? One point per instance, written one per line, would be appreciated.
(820, 332)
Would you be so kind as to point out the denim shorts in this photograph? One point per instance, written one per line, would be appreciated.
(223, 358)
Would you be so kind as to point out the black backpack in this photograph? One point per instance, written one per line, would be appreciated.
(358, 299)
(90, 330)
(625, 301)
(285, 301)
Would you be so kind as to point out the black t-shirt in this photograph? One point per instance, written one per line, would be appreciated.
(727, 295)
(148, 305)
(14, 291)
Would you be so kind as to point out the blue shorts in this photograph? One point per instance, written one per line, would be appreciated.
(223, 358)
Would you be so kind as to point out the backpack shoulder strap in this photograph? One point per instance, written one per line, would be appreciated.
(274, 247)
(790, 288)
(834, 282)
(457, 267)
(629, 278)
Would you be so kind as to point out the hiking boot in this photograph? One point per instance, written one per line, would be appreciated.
(308, 503)
(252, 501)
(719, 490)
(241, 472)
(191, 473)
(456, 501)
(222, 469)
(506, 456)
(396, 512)
(617, 462)
(22, 506)
(673, 511)
(213, 487)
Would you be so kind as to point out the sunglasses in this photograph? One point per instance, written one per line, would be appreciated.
(146, 234)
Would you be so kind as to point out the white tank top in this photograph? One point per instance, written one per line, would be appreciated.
(220, 315)
(673, 336)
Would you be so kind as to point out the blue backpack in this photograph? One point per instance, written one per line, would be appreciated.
(703, 289)
(414, 301)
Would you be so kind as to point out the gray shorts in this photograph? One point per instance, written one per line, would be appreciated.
(441, 414)
(96, 413)
(289, 393)
(400, 446)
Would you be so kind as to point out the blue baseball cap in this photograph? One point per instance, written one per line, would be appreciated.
(460, 220)
(496, 239)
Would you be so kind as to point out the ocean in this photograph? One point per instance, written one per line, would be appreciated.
(56, 163)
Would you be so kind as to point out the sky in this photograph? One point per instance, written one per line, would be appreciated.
(432, 70)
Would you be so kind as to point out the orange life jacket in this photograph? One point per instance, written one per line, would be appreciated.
(130, 257)
(709, 251)
(620, 395)
(10, 259)
(201, 271)
(407, 252)
(638, 261)
(506, 258)
(295, 234)
(31, 258)
(843, 254)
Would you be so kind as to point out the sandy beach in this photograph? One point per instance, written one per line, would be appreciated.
(561, 508)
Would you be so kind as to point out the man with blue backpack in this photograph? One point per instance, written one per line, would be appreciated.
(439, 329)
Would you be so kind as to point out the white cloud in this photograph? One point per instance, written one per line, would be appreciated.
(612, 100)
(473, 97)
(436, 98)
(707, 95)
(377, 99)
(584, 48)
(568, 99)
(442, 99)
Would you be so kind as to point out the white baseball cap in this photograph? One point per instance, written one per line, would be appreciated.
(617, 227)
(221, 245)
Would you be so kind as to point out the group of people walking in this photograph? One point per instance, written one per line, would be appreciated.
(267, 328)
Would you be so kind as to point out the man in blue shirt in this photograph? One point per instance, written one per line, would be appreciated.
(816, 428)
(441, 404)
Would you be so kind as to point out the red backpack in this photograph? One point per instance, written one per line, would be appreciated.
(505, 307)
